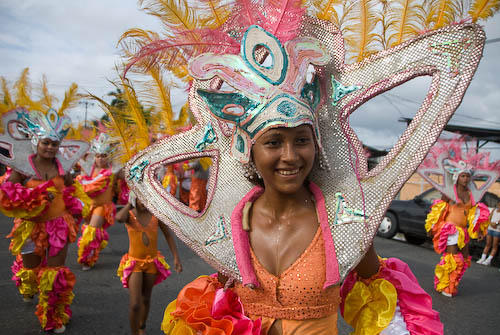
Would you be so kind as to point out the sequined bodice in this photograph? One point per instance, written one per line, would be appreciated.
(297, 293)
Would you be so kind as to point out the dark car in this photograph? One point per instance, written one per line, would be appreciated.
(408, 216)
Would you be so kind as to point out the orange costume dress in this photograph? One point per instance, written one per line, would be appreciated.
(44, 227)
(454, 223)
(99, 186)
(143, 254)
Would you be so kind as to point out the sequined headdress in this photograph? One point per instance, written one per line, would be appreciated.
(25, 121)
(256, 65)
(447, 159)
(103, 144)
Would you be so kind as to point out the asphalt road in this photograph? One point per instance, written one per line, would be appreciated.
(101, 303)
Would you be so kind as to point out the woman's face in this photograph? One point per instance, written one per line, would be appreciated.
(284, 157)
(463, 179)
(47, 148)
(101, 160)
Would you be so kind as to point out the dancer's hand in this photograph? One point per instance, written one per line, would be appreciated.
(68, 179)
(177, 265)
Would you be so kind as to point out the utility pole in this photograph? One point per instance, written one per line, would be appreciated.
(86, 103)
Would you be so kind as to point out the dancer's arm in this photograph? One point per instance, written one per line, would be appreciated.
(172, 246)
(369, 265)
(122, 215)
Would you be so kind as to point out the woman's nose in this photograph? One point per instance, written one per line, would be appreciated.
(289, 152)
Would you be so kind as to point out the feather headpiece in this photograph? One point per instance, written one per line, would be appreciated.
(447, 159)
(271, 64)
(40, 126)
(103, 144)
(25, 120)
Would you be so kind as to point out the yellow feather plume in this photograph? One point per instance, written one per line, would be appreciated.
(135, 116)
(176, 15)
(23, 92)
(441, 13)
(216, 14)
(71, 98)
(406, 18)
(6, 96)
(47, 99)
(483, 9)
(118, 128)
(324, 10)
(359, 29)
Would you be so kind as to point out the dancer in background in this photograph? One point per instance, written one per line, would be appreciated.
(143, 266)
(101, 185)
(459, 216)
(39, 192)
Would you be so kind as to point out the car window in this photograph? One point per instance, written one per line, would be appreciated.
(431, 195)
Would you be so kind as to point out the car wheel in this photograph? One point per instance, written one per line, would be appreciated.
(389, 226)
(412, 239)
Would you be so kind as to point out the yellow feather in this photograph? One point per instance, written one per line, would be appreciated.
(176, 15)
(324, 10)
(6, 96)
(47, 99)
(23, 93)
(71, 98)
(406, 20)
(441, 13)
(359, 29)
(483, 9)
(135, 115)
(216, 14)
(117, 127)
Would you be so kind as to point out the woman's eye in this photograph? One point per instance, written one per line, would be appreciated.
(303, 140)
(272, 143)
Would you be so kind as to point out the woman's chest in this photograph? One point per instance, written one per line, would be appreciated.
(278, 246)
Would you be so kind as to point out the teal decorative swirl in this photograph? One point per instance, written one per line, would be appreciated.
(137, 171)
(340, 91)
(209, 137)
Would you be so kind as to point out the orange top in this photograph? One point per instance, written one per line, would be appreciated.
(56, 206)
(297, 293)
(457, 213)
(106, 196)
(142, 239)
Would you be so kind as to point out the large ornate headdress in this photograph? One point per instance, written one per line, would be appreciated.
(448, 158)
(256, 65)
(25, 121)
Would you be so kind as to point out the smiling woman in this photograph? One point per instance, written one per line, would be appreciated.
(288, 243)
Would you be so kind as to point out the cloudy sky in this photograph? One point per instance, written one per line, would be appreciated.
(75, 41)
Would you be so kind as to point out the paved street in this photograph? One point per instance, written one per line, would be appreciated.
(101, 304)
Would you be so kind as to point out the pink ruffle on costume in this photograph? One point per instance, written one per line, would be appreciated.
(156, 265)
(414, 303)
(90, 244)
(56, 295)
